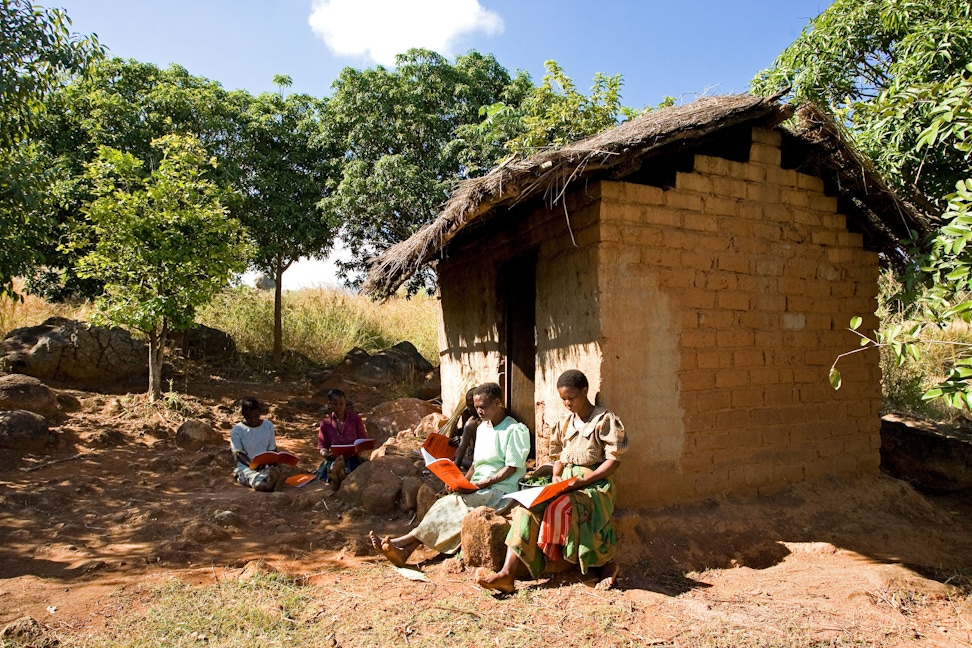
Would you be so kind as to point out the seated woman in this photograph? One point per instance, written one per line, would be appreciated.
(341, 427)
(577, 527)
(499, 462)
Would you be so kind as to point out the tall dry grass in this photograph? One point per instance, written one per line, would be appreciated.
(323, 324)
(33, 310)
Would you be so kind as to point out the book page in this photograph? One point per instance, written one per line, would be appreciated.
(530, 497)
(448, 472)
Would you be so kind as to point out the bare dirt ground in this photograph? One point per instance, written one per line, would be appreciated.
(837, 562)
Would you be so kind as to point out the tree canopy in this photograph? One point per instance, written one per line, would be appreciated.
(164, 241)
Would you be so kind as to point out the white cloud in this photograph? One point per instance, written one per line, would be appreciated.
(380, 29)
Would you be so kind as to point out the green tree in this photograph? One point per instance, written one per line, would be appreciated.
(551, 115)
(285, 171)
(164, 241)
(863, 60)
(125, 105)
(37, 54)
(396, 133)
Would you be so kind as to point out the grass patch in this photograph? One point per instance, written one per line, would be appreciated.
(323, 324)
(33, 310)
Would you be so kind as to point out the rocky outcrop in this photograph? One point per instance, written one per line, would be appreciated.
(23, 431)
(376, 485)
(394, 364)
(930, 458)
(68, 351)
(388, 419)
(203, 342)
(20, 392)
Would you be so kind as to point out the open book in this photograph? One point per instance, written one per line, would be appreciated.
(271, 457)
(530, 497)
(353, 448)
(438, 446)
(448, 472)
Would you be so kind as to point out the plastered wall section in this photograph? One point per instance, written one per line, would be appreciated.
(724, 301)
(567, 309)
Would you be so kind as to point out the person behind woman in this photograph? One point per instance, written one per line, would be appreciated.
(577, 527)
(466, 440)
(341, 427)
(499, 462)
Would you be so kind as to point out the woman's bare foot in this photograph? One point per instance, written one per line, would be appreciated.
(608, 576)
(500, 582)
(385, 547)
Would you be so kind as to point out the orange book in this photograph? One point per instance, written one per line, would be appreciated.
(448, 472)
(438, 446)
(530, 497)
(353, 448)
(271, 457)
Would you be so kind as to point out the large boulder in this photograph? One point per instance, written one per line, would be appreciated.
(484, 538)
(388, 419)
(203, 342)
(375, 485)
(929, 457)
(395, 364)
(65, 350)
(20, 392)
(23, 431)
(195, 435)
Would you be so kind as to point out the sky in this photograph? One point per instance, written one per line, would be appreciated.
(662, 48)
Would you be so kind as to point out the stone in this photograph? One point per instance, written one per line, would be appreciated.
(431, 387)
(389, 418)
(228, 519)
(26, 631)
(203, 532)
(388, 472)
(927, 457)
(69, 351)
(68, 403)
(424, 499)
(397, 363)
(23, 431)
(20, 392)
(194, 435)
(430, 423)
(410, 488)
(484, 538)
(406, 446)
(203, 342)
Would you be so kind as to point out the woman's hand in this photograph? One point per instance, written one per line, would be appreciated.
(325, 452)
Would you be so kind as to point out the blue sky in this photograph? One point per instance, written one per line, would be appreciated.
(680, 48)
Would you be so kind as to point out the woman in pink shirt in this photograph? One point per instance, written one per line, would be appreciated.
(340, 427)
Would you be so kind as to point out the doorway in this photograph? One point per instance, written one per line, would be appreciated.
(519, 290)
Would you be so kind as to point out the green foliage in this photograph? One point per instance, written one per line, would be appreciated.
(555, 113)
(38, 52)
(124, 105)
(396, 137)
(164, 242)
(864, 61)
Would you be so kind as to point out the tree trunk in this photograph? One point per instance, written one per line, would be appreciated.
(156, 350)
(277, 315)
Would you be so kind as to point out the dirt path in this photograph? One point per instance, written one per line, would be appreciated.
(828, 563)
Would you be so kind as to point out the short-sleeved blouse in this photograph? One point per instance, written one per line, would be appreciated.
(602, 437)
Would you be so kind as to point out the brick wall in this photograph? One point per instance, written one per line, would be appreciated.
(724, 301)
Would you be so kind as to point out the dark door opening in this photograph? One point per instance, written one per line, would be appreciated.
(519, 290)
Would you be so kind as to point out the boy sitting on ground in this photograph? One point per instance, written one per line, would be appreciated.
(248, 439)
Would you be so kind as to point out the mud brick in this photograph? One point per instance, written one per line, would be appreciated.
(747, 397)
(711, 165)
(822, 203)
(766, 154)
(713, 482)
(693, 182)
(809, 182)
(767, 137)
(717, 319)
(708, 358)
(795, 197)
(731, 378)
(679, 200)
(763, 193)
(741, 435)
(734, 338)
(719, 206)
(720, 281)
(644, 194)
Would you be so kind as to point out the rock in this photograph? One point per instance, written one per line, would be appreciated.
(388, 419)
(410, 488)
(68, 403)
(26, 631)
(406, 446)
(20, 392)
(194, 435)
(23, 431)
(228, 519)
(484, 538)
(65, 350)
(381, 479)
(358, 546)
(429, 424)
(106, 438)
(431, 387)
(400, 362)
(202, 342)
(203, 532)
(424, 499)
(927, 457)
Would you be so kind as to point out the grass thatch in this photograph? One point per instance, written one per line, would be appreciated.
(619, 151)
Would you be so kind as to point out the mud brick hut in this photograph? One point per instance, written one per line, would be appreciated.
(700, 264)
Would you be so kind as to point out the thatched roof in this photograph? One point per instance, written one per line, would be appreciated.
(825, 152)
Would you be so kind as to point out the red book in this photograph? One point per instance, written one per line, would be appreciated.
(530, 497)
(448, 472)
(265, 458)
(353, 448)
(438, 446)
